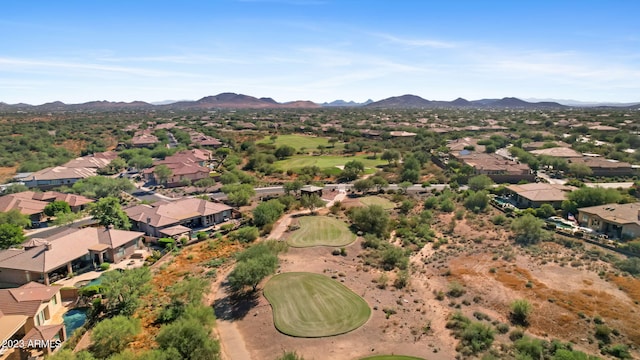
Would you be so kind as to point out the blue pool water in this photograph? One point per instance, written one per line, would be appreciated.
(96, 281)
(74, 319)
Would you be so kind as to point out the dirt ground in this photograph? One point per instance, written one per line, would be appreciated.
(566, 289)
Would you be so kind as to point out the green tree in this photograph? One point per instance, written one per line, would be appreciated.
(245, 234)
(379, 182)
(292, 186)
(10, 235)
(205, 183)
(97, 187)
(363, 185)
(477, 201)
(545, 211)
(107, 211)
(284, 151)
(529, 230)
(111, 336)
(190, 338)
(267, 212)
(122, 290)
(404, 186)
(15, 217)
(390, 156)
(520, 311)
(140, 162)
(15, 188)
(253, 265)
(66, 218)
(580, 170)
(115, 166)
(479, 182)
(56, 207)
(587, 196)
(352, 170)
(162, 173)
(372, 219)
(311, 202)
(238, 194)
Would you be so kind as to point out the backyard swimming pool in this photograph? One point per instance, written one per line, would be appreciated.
(73, 319)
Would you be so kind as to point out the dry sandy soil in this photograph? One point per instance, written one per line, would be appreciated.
(566, 292)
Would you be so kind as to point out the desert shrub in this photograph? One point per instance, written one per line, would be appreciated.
(105, 266)
(620, 351)
(456, 289)
(516, 334)
(499, 219)
(246, 234)
(520, 311)
(474, 336)
(402, 280)
(201, 235)
(533, 348)
(502, 328)
(603, 333)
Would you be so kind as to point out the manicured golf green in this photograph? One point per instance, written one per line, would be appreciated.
(297, 141)
(321, 231)
(325, 161)
(312, 305)
(391, 357)
(377, 200)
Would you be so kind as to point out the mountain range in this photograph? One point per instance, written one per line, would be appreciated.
(239, 101)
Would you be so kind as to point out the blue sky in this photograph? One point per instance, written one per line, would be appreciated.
(318, 50)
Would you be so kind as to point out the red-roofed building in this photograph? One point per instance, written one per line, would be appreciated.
(27, 313)
(161, 218)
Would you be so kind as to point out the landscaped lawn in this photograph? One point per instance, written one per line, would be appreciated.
(313, 305)
(321, 231)
(298, 141)
(392, 357)
(325, 161)
(377, 200)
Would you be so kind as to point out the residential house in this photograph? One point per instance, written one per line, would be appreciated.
(561, 152)
(185, 166)
(533, 195)
(95, 161)
(27, 313)
(614, 220)
(465, 143)
(204, 140)
(44, 260)
(158, 218)
(496, 167)
(144, 139)
(605, 167)
(33, 203)
(57, 176)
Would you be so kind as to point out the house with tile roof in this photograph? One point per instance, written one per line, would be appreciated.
(533, 195)
(32, 203)
(49, 178)
(617, 221)
(27, 313)
(499, 169)
(186, 166)
(71, 251)
(96, 160)
(168, 218)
